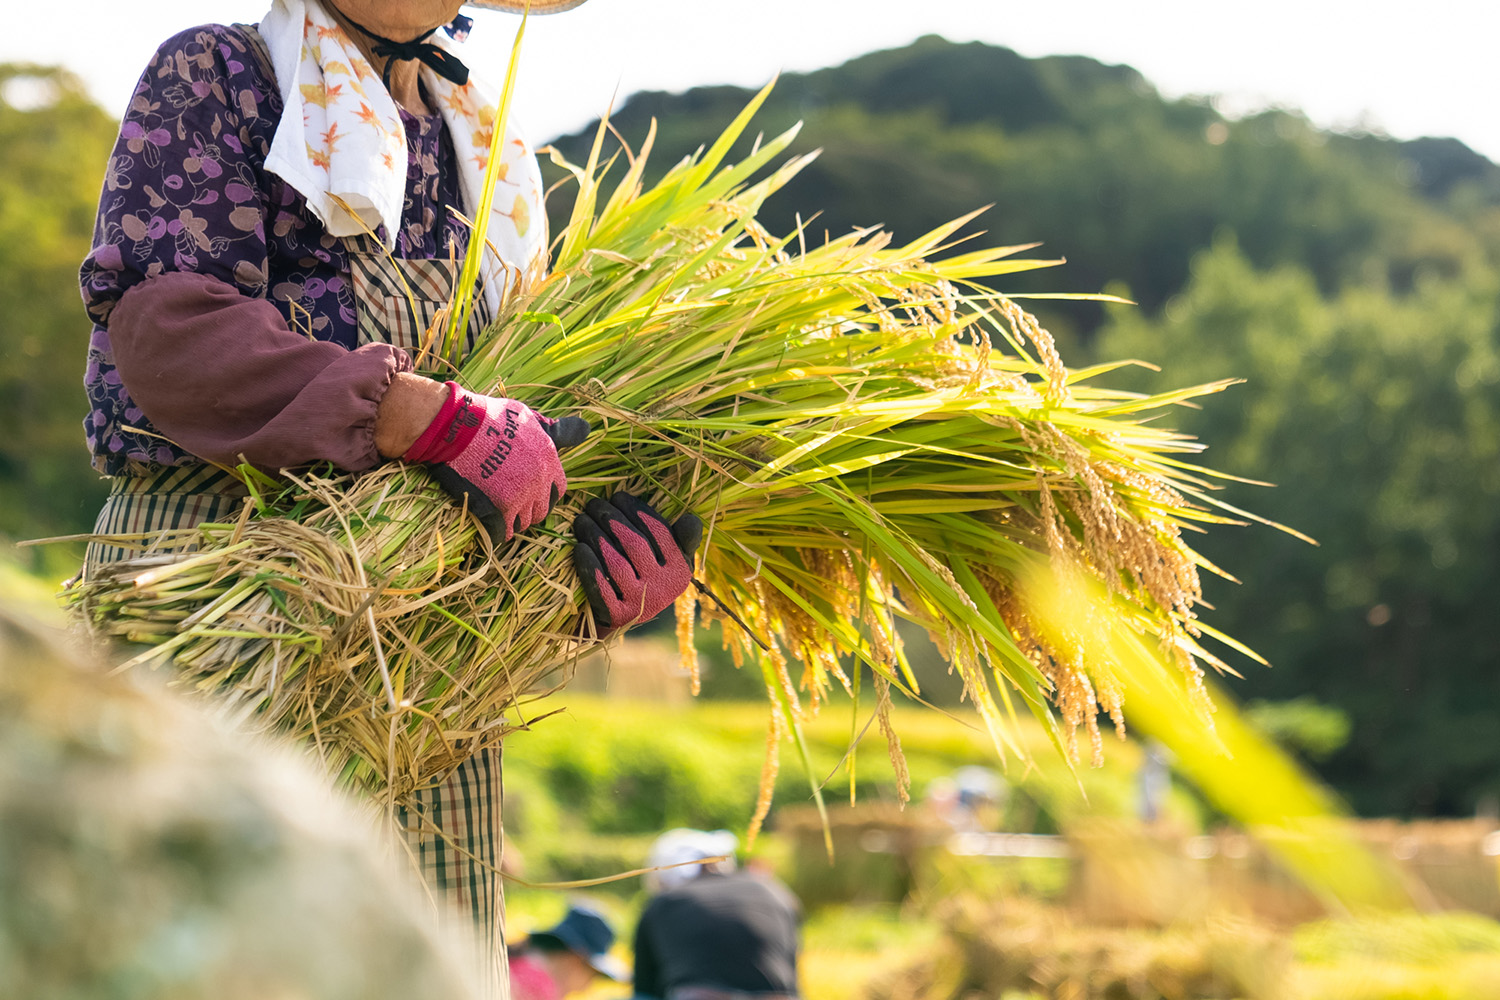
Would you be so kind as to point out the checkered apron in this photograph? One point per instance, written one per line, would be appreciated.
(451, 831)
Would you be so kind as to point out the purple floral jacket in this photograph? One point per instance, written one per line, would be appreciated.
(186, 190)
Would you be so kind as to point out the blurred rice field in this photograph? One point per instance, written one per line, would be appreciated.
(1186, 908)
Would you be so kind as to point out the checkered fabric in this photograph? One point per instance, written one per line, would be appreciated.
(398, 304)
(179, 497)
(453, 835)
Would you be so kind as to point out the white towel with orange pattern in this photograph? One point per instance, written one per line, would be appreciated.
(342, 146)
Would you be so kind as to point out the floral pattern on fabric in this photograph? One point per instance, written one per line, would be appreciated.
(186, 190)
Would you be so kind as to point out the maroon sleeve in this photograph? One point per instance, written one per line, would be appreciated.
(225, 378)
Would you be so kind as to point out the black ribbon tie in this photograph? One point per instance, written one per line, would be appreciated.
(442, 62)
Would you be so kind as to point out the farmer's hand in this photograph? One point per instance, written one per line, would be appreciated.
(500, 456)
(631, 563)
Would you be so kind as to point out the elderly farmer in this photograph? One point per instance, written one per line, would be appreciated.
(279, 227)
(712, 932)
(565, 959)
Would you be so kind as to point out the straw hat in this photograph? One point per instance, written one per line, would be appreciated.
(517, 6)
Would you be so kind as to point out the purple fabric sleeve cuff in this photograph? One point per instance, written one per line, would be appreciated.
(223, 376)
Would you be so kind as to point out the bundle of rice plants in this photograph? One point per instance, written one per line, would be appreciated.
(868, 431)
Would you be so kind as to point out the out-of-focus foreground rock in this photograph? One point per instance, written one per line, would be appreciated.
(147, 853)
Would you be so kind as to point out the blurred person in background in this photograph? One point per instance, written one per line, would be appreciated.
(1153, 782)
(982, 794)
(970, 800)
(551, 964)
(282, 222)
(711, 932)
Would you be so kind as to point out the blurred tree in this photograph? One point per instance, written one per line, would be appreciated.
(53, 145)
(1377, 416)
(1089, 158)
(1302, 724)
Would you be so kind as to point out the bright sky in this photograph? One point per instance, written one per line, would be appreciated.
(1409, 69)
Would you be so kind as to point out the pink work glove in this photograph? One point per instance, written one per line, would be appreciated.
(631, 564)
(498, 455)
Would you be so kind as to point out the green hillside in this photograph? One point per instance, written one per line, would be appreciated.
(1091, 161)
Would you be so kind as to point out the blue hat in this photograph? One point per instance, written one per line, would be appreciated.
(588, 935)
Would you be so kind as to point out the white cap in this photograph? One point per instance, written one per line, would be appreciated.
(674, 851)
